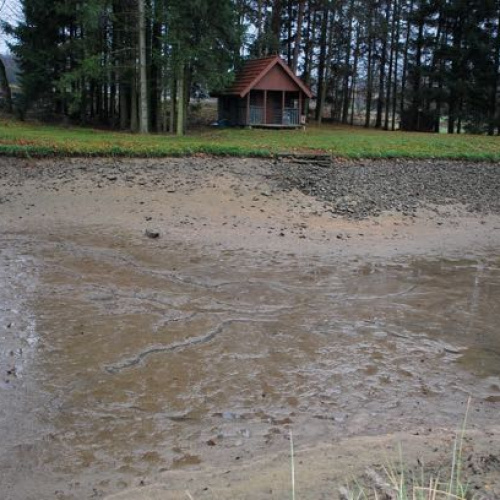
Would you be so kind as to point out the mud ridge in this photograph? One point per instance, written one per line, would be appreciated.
(203, 339)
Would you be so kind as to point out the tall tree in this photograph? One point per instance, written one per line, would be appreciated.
(322, 64)
(493, 101)
(143, 77)
(298, 35)
(384, 23)
(5, 87)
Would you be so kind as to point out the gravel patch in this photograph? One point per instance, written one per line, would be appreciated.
(367, 188)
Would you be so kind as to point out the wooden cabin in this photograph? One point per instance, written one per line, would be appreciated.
(265, 93)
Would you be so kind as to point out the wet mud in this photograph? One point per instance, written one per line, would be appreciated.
(121, 361)
(134, 367)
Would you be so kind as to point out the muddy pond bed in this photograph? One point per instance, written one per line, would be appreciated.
(134, 367)
(123, 360)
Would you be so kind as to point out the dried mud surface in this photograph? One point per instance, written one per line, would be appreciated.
(164, 324)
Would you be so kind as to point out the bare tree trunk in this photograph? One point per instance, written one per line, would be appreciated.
(405, 61)
(322, 64)
(396, 62)
(383, 61)
(416, 77)
(369, 82)
(352, 90)
(298, 36)
(260, 28)
(276, 26)
(309, 49)
(156, 69)
(345, 86)
(308, 44)
(181, 101)
(113, 78)
(289, 52)
(494, 86)
(5, 86)
(453, 97)
(134, 104)
(143, 76)
(353, 101)
(391, 61)
(173, 108)
(328, 66)
(460, 116)
(125, 99)
(440, 41)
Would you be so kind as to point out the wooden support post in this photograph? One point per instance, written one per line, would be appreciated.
(247, 119)
(264, 118)
(283, 106)
(300, 107)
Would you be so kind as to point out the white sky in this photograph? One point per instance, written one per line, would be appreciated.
(10, 10)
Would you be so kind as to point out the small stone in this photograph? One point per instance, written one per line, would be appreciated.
(152, 233)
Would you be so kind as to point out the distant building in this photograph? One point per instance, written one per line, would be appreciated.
(11, 68)
(265, 93)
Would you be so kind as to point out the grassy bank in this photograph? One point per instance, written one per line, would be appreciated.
(26, 139)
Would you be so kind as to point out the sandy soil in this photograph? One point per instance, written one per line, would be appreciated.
(236, 205)
(231, 204)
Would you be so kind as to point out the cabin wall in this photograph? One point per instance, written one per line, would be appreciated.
(277, 79)
(232, 109)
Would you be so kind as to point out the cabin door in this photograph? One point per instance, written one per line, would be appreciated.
(273, 107)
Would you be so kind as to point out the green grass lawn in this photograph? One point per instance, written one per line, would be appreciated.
(28, 139)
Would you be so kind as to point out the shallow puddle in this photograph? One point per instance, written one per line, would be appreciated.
(123, 358)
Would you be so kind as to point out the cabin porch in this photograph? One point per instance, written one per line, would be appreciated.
(264, 109)
(272, 108)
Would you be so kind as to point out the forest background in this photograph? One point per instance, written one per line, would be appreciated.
(420, 65)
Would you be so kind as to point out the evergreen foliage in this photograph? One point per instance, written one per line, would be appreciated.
(427, 65)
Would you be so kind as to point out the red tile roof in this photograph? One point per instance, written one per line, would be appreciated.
(254, 70)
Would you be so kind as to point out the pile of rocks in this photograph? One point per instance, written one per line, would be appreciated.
(366, 188)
